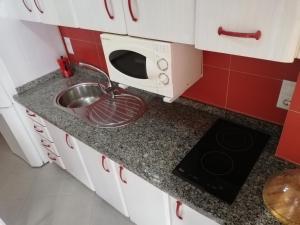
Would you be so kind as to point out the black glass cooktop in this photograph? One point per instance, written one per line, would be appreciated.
(222, 160)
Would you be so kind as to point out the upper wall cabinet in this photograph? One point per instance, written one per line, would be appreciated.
(56, 12)
(167, 20)
(101, 15)
(22, 9)
(266, 29)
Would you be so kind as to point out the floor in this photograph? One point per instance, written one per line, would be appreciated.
(48, 196)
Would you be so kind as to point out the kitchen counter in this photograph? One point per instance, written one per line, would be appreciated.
(153, 146)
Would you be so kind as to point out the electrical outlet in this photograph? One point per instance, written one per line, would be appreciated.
(69, 45)
(286, 94)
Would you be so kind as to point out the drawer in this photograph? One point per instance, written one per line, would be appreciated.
(261, 29)
(33, 116)
(49, 145)
(54, 158)
(42, 131)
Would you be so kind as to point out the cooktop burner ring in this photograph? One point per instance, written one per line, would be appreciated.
(235, 140)
(217, 163)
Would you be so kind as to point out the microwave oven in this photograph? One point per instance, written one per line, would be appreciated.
(167, 69)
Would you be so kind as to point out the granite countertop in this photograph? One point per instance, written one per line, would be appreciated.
(153, 146)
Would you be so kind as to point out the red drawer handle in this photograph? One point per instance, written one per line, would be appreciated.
(30, 113)
(67, 141)
(107, 11)
(131, 12)
(38, 7)
(103, 162)
(37, 130)
(121, 176)
(256, 35)
(45, 145)
(178, 205)
(26, 6)
(49, 156)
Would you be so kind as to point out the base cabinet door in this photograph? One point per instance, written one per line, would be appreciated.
(184, 215)
(104, 177)
(70, 154)
(56, 12)
(146, 204)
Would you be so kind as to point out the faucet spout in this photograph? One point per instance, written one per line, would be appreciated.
(109, 88)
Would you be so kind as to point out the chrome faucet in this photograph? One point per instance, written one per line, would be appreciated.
(109, 88)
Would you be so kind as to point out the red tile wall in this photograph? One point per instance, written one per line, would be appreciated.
(289, 144)
(245, 85)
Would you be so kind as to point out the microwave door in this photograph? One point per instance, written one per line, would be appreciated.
(129, 63)
(137, 65)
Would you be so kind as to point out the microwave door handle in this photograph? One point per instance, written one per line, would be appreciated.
(150, 69)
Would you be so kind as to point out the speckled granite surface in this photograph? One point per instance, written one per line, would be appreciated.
(153, 146)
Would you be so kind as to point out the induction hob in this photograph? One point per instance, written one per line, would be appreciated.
(222, 160)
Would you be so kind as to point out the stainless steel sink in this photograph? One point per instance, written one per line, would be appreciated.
(91, 103)
(80, 95)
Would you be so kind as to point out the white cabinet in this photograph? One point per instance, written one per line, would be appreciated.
(56, 12)
(38, 130)
(101, 15)
(104, 177)
(168, 20)
(70, 154)
(146, 204)
(23, 10)
(261, 29)
(183, 215)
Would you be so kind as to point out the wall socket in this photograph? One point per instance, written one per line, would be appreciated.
(286, 94)
(69, 45)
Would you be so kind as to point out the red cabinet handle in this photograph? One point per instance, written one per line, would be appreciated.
(256, 35)
(26, 6)
(38, 7)
(131, 12)
(37, 130)
(45, 145)
(30, 113)
(178, 205)
(103, 161)
(67, 141)
(121, 176)
(49, 156)
(107, 10)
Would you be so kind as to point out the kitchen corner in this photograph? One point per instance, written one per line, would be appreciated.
(153, 145)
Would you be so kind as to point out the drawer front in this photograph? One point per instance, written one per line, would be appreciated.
(49, 146)
(41, 130)
(33, 116)
(266, 29)
(54, 158)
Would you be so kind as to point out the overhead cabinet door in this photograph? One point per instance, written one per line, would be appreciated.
(23, 10)
(266, 29)
(101, 15)
(56, 12)
(168, 20)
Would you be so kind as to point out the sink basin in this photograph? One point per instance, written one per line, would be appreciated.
(89, 102)
(80, 95)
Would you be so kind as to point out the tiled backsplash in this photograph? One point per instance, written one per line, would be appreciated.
(245, 85)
